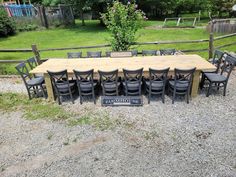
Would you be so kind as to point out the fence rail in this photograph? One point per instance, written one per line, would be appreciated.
(211, 40)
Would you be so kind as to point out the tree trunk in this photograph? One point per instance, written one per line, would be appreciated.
(82, 17)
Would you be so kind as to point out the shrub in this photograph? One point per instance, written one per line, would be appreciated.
(7, 24)
(123, 21)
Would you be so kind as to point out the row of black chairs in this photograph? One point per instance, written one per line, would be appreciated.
(133, 53)
(131, 84)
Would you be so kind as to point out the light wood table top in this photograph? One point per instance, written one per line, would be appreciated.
(108, 64)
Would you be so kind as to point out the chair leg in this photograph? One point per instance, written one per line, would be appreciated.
(149, 96)
(173, 97)
(187, 97)
(202, 82)
(94, 99)
(163, 96)
(225, 85)
(209, 90)
(81, 99)
(44, 94)
(59, 99)
(28, 91)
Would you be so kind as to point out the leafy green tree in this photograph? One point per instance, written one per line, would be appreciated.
(123, 21)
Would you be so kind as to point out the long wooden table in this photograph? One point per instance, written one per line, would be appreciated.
(108, 64)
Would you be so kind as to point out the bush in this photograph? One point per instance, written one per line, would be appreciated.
(123, 21)
(7, 24)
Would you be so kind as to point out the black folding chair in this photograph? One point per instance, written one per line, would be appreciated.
(62, 85)
(109, 82)
(182, 83)
(86, 84)
(32, 84)
(156, 83)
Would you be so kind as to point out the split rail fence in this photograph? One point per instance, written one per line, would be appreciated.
(210, 49)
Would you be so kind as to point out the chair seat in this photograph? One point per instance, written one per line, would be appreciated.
(214, 77)
(35, 81)
(63, 87)
(131, 85)
(156, 85)
(110, 86)
(87, 86)
(180, 85)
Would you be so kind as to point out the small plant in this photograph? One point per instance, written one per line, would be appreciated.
(65, 143)
(49, 136)
(7, 24)
(123, 21)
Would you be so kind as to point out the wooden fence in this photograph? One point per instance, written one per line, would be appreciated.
(211, 48)
(224, 26)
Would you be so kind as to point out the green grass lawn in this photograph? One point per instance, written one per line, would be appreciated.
(94, 34)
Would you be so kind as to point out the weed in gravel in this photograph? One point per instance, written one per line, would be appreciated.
(33, 109)
(99, 120)
(49, 136)
(65, 143)
(151, 135)
(2, 168)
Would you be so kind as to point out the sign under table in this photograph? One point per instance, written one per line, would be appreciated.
(109, 64)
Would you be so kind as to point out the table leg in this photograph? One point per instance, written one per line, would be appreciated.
(196, 81)
(49, 87)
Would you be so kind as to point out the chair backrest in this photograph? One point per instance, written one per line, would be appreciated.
(74, 54)
(108, 54)
(32, 63)
(110, 77)
(158, 75)
(228, 66)
(94, 54)
(183, 76)
(133, 76)
(59, 78)
(218, 59)
(167, 51)
(134, 53)
(84, 77)
(23, 71)
(149, 52)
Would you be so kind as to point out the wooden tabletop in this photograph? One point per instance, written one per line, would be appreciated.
(108, 64)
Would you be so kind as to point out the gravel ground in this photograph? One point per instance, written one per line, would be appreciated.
(180, 140)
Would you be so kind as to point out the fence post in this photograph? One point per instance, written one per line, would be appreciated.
(36, 53)
(45, 17)
(211, 39)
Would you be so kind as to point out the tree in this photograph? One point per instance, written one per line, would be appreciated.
(123, 21)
